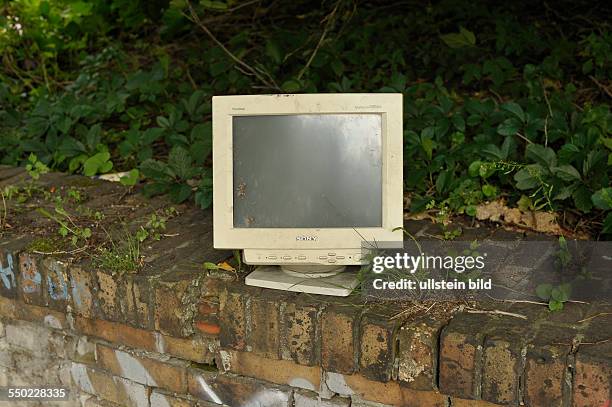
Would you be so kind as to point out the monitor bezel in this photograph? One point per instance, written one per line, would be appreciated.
(225, 236)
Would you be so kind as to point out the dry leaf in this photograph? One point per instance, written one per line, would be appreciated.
(226, 266)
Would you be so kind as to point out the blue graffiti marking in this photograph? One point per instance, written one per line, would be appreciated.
(58, 290)
(6, 273)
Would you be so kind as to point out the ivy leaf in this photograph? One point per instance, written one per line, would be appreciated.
(509, 127)
(516, 109)
(567, 173)
(527, 177)
(180, 161)
(602, 199)
(554, 305)
(97, 164)
(582, 199)
(464, 38)
(131, 178)
(545, 156)
(179, 192)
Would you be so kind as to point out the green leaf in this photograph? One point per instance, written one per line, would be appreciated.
(545, 156)
(97, 164)
(458, 122)
(509, 127)
(155, 170)
(602, 199)
(179, 192)
(515, 108)
(607, 224)
(210, 266)
(180, 161)
(214, 5)
(464, 38)
(291, 86)
(527, 177)
(155, 188)
(131, 178)
(582, 199)
(555, 305)
(474, 168)
(273, 51)
(544, 291)
(489, 190)
(567, 173)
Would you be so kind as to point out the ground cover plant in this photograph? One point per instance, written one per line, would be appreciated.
(506, 101)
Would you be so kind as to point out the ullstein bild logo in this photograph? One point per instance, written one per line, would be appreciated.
(302, 238)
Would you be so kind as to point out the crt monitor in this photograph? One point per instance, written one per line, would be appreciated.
(301, 181)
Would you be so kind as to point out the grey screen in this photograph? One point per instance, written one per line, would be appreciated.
(307, 171)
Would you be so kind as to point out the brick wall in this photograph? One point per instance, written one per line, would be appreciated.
(174, 335)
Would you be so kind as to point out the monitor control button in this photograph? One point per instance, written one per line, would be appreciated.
(340, 257)
(331, 260)
(271, 257)
(301, 257)
(286, 257)
(323, 257)
(331, 254)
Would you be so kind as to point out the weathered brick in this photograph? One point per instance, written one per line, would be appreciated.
(8, 308)
(169, 308)
(455, 402)
(208, 328)
(114, 389)
(199, 350)
(300, 341)
(82, 286)
(264, 338)
(108, 293)
(36, 339)
(545, 367)
(8, 273)
(500, 370)
(593, 375)
(418, 353)
(42, 315)
(57, 283)
(236, 390)
(164, 400)
(233, 308)
(170, 375)
(460, 355)
(30, 280)
(305, 398)
(377, 345)
(391, 393)
(141, 308)
(275, 371)
(338, 326)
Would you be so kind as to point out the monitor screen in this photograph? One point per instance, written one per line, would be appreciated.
(307, 171)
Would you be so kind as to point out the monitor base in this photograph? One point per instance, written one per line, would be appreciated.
(339, 285)
(312, 271)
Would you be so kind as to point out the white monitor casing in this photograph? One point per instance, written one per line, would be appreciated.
(306, 246)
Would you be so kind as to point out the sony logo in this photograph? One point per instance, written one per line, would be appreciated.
(302, 238)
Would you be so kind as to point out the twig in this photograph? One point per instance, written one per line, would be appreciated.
(194, 18)
(330, 20)
(593, 316)
(496, 312)
(5, 210)
(524, 138)
(601, 86)
(80, 249)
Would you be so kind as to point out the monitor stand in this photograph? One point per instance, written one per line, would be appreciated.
(312, 279)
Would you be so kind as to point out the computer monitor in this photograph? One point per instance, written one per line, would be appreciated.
(301, 181)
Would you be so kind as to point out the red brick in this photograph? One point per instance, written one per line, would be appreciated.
(195, 349)
(108, 292)
(377, 344)
(476, 403)
(338, 326)
(207, 328)
(545, 367)
(232, 308)
(418, 353)
(145, 370)
(300, 340)
(460, 355)
(42, 315)
(275, 371)
(500, 378)
(264, 338)
(593, 375)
